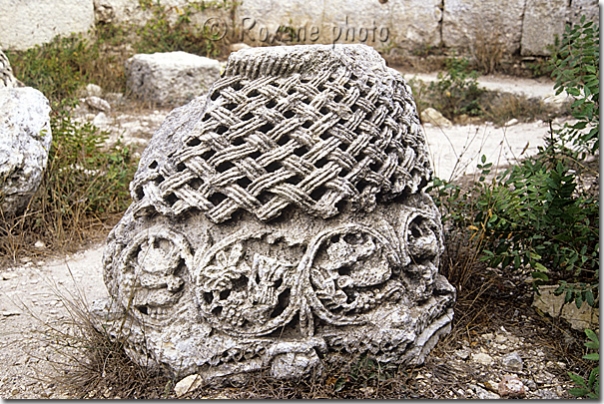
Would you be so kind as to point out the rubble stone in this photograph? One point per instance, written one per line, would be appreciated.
(25, 138)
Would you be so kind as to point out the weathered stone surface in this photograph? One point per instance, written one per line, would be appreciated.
(24, 24)
(542, 21)
(589, 8)
(467, 22)
(579, 319)
(172, 78)
(408, 24)
(25, 139)
(281, 220)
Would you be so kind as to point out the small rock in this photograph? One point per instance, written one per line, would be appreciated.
(100, 120)
(5, 276)
(482, 358)
(187, 384)
(511, 122)
(97, 103)
(484, 394)
(40, 245)
(430, 115)
(512, 362)
(93, 90)
(238, 46)
(500, 339)
(25, 260)
(463, 353)
(511, 386)
(10, 313)
(547, 395)
(492, 385)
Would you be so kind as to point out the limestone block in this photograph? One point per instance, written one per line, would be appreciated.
(579, 319)
(280, 222)
(466, 22)
(542, 21)
(172, 78)
(25, 23)
(25, 139)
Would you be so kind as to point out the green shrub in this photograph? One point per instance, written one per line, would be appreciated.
(160, 34)
(576, 70)
(59, 68)
(457, 92)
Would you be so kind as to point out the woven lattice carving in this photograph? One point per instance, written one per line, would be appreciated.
(6, 73)
(285, 126)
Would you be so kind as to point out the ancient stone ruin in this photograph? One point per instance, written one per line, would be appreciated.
(280, 222)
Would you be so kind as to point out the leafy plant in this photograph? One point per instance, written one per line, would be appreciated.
(458, 91)
(576, 70)
(59, 68)
(589, 388)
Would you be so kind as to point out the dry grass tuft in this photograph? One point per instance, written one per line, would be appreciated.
(487, 50)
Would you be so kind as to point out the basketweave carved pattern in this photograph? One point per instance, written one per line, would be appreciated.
(281, 130)
(7, 79)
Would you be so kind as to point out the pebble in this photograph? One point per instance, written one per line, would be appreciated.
(40, 245)
(512, 362)
(484, 394)
(511, 386)
(5, 276)
(187, 384)
(511, 122)
(482, 358)
(101, 120)
(463, 353)
(10, 313)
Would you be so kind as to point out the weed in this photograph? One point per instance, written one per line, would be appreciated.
(161, 34)
(457, 92)
(499, 108)
(487, 50)
(589, 388)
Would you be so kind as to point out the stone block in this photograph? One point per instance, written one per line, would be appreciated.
(405, 23)
(542, 21)
(589, 8)
(280, 222)
(172, 78)
(468, 22)
(25, 23)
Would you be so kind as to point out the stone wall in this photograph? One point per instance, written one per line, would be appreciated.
(523, 27)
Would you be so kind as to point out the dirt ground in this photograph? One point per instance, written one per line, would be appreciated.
(496, 332)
